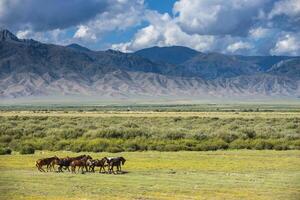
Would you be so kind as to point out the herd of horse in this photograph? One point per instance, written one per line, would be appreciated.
(83, 162)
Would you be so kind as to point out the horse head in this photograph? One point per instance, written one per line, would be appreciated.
(123, 160)
(89, 157)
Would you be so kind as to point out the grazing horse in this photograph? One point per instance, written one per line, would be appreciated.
(97, 163)
(80, 164)
(65, 162)
(45, 161)
(112, 162)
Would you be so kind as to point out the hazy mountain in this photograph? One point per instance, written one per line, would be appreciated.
(172, 55)
(289, 68)
(31, 68)
(263, 62)
(214, 65)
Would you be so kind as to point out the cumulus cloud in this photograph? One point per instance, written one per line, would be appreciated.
(120, 16)
(88, 19)
(289, 44)
(286, 7)
(218, 17)
(164, 31)
(252, 27)
(237, 46)
(285, 15)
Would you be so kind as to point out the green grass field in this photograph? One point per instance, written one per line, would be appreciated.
(235, 174)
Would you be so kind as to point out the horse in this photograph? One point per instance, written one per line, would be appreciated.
(65, 162)
(112, 162)
(45, 161)
(80, 164)
(97, 163)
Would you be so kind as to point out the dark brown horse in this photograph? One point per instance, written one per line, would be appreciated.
(80, 164)
(115, 162)
(97, 163)
(65, 162)
(45, 161)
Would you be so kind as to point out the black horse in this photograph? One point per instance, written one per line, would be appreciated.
(115, 162)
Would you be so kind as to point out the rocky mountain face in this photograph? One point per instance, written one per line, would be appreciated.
(31, 68)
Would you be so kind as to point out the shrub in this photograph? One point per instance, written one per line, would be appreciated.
(131, 146)
(5, 139)
(130, 125)
(114, 149)
(249, 134)
(240, 144)
(199, 136)
(281, 147)
(27, 150)
(228, 137)
(211, 145)
(5, 151)
(173, 135)
(262, 144)
(173, 147)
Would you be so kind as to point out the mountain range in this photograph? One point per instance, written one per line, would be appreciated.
(29, 68)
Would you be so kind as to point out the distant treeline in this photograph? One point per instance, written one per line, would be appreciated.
(116, 134)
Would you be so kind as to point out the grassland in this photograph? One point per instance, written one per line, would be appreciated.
(242, 174)
(172, 152)
(117, 131)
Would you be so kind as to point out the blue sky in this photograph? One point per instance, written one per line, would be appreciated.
(247, 27)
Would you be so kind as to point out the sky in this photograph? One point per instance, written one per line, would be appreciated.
(244, 27)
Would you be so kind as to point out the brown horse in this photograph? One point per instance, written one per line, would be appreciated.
(115, 162)
(80, 164)
(65, 162)
(45, 161)
(97, 163)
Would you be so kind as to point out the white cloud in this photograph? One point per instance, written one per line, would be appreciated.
(24, 34)
(164, 31)
(289, 44)
(259, 32)
(119, 17)
(84, 32)
(286, 7)
(218, 17)
(233, 48)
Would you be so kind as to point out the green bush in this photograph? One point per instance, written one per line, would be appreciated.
(211, 145)
(248, 133)
(131, 146)
(240, 144)
(174, 147)
(262, 144)
(228, 137)
(5, 151)
(27, 150)
(114, 149)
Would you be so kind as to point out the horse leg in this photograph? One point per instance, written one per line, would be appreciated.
(48, 167)
(41, 167)
(38, 167)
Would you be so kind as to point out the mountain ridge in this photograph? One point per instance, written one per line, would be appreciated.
(31, 68)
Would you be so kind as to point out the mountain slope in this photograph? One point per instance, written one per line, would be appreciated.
(31, 68)
(214, 65)
(172, 55)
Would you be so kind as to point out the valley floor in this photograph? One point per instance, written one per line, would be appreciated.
(236, 174)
